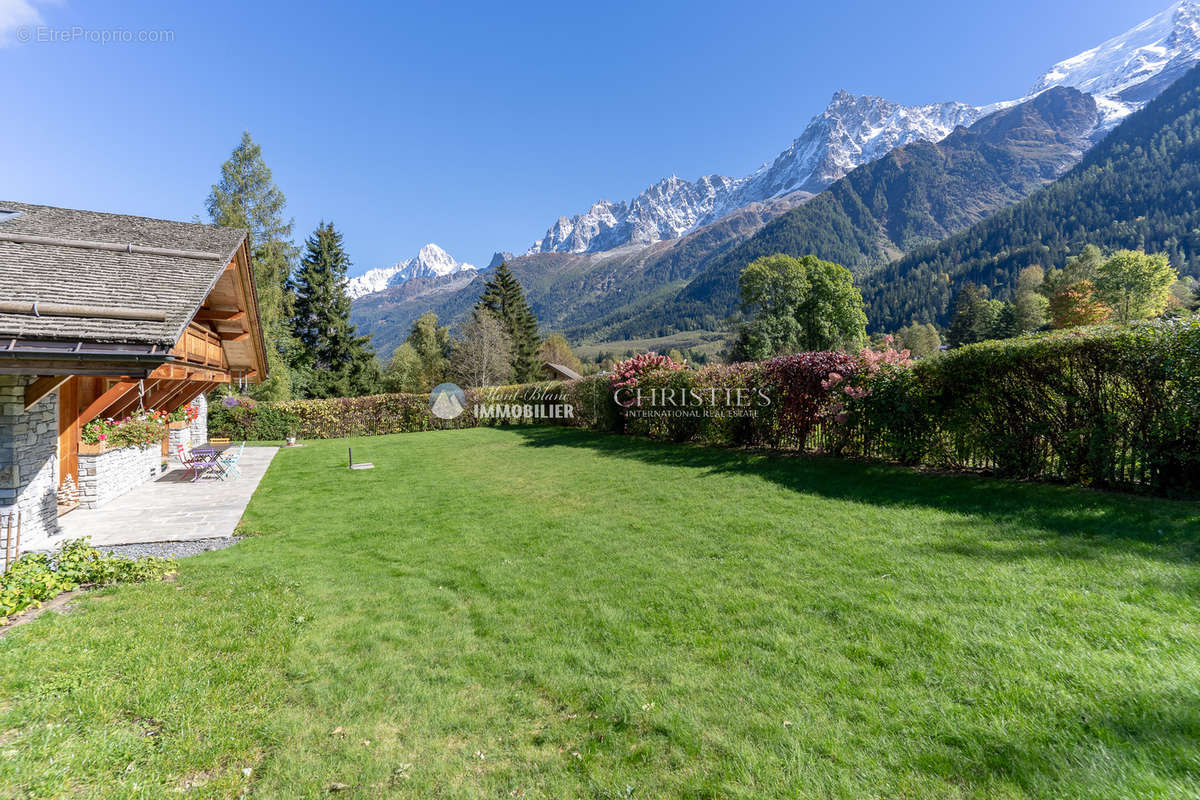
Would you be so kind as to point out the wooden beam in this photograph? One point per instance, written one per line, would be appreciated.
(129, 404)
(105, 400)
(42, 387)
(162, 392)
(220, 315)
(233, 336)
(194, 391)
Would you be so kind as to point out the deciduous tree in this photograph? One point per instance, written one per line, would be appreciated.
(431, 342)
(555, 349)
(482, 354)
(1135, 285)
(404, 373)
(1077, 305)
(798, 304)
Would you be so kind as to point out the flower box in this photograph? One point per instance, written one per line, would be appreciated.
(177, 424)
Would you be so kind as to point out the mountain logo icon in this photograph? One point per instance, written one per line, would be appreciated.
(447, 401)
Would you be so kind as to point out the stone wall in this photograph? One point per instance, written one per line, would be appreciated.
(190, 435)
(176, 437)
(110, 474)
(200, 426)
(29, 460)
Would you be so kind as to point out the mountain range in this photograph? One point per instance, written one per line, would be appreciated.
(667, 259)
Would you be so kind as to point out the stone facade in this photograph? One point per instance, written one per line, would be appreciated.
(191, 435)
(108, 475)
(199, 428)
(29, 460)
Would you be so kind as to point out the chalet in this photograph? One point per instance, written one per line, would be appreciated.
(102, 315)
(559, 372)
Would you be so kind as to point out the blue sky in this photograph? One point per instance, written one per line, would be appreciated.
(475, 125)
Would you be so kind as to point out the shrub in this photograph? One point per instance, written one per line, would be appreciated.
(1106, 406)
(37, 577)
(804, 384)
(591, 398)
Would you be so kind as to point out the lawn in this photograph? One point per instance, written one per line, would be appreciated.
(549, 613)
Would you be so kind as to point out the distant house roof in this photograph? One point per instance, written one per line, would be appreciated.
(122, 264)
(565, 372)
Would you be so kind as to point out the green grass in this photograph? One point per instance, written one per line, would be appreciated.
(549, 613)
(711, 343)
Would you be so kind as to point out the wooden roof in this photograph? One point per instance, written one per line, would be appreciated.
(97, 290)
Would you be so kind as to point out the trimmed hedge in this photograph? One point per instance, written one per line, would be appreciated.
(1115, 407)
(374, 415)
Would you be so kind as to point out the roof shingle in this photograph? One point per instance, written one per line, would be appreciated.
(46, 273)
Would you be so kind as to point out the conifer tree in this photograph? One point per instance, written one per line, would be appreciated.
(342, 363)
(247, 197)
(503, 297)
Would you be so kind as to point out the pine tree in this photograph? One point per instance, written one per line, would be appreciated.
(964, 324)
(247, 197)
(342, 363)
(503, 296)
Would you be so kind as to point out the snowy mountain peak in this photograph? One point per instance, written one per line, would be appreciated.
(433, 260)
(1132, 68)
(851, 131)
(430, 260)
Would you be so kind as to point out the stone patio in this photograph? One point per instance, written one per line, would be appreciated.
(172, 508)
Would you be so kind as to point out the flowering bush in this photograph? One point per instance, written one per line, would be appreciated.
(236, 401)
(871, 366)
(188, 414)
(805, 383)
(140, 430)
(96, 431)
(626, 373)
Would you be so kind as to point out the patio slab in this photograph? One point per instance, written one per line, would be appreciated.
(171, 508)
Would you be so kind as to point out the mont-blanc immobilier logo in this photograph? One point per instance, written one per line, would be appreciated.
(449, 401)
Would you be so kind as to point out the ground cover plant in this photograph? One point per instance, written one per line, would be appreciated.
(556, 613)
(37, 577)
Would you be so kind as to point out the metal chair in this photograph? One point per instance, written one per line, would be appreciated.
(228, 464)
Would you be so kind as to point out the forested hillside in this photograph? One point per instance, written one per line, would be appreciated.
(1139, 188)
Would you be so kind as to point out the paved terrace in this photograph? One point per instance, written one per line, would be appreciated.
(172, 508)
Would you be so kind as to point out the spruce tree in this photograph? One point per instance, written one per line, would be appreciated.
(247, 197)
(503, 296)
(342, 363)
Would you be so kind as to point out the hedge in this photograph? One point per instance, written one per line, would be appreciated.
(1115, 407)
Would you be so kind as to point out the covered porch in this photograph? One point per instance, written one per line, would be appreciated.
(172, 508)
(105, 317)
